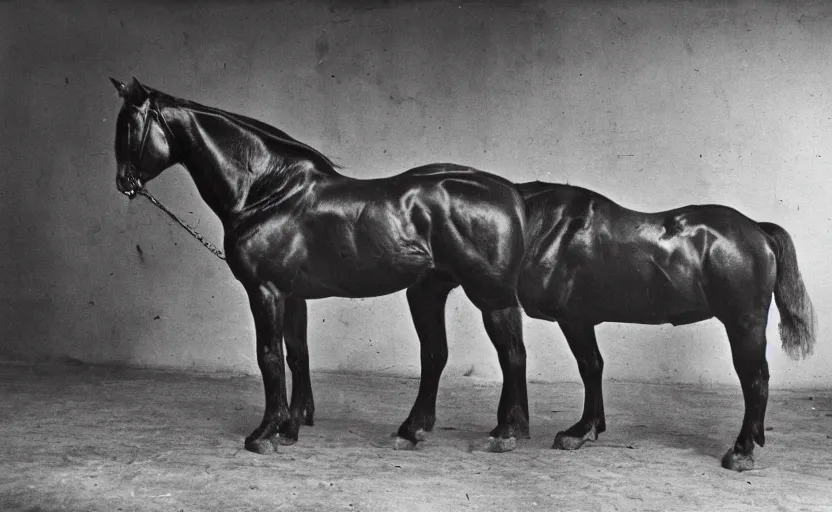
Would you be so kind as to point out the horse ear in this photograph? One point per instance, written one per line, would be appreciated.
(140, 89)
(120, 87)
(133, 93)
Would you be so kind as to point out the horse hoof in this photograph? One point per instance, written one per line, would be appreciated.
(404, 444)
(564, 442)
(501, 444)
(261, 446)
(737, 461)
(286, 441)
(418, 436)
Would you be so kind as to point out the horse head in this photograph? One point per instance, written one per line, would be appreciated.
(144, 143)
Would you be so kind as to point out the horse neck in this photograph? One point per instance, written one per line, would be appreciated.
(225, 174)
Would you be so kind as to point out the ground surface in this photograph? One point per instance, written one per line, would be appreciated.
(90, 439)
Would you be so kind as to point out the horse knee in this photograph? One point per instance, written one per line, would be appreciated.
(517, 355)
(597, 364)
(591, 366)
(269, 363)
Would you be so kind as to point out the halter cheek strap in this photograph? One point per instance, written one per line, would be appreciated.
(163, 123)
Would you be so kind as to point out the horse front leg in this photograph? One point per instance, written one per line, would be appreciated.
(427, 300)
(267, 307)
(302, 408)
(505, 328)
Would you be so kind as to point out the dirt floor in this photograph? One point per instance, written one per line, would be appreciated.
(87, 439)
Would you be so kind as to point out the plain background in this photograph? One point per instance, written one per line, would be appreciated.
(655, 104)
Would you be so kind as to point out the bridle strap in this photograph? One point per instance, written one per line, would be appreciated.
(147, 121)
(194, 233)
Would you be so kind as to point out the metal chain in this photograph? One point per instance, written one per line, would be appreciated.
(208, 245)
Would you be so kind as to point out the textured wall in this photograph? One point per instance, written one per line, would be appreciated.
(656, 104)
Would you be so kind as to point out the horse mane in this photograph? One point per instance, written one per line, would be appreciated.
(324, 163)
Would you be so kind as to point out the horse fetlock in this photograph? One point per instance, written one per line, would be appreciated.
(307, 416)
(411, 432)
(408, 437)
(288, 431)
(758, 432)
(427, 423)
(422, 422)
(517, 423)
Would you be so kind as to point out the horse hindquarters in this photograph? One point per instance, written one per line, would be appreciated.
(748, 342)
(740, 277)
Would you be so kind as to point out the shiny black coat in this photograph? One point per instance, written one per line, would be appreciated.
(592, 259)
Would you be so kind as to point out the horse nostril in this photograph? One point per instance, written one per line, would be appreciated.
(127, 185)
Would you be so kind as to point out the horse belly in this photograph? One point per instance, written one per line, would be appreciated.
(639, 296)
(359, 277)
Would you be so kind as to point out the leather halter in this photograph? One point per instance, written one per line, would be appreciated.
(133, 171)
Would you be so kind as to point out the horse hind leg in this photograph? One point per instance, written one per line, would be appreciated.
(302, 406)
(582, 341)
(427, 300)
(748, 349)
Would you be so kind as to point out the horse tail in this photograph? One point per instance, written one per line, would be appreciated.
(798, 324)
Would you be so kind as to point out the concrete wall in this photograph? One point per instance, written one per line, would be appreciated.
(657, 104)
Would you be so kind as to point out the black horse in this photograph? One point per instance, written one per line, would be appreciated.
(590, 261)
(296, 229)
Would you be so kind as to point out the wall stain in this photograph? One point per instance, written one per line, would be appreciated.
(321, 47)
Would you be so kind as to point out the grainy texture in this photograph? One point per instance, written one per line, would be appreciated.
(109, 439)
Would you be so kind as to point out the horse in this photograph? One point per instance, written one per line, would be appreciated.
(590, 260)
(296, 229)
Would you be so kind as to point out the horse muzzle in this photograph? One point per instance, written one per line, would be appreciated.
(128, 185)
